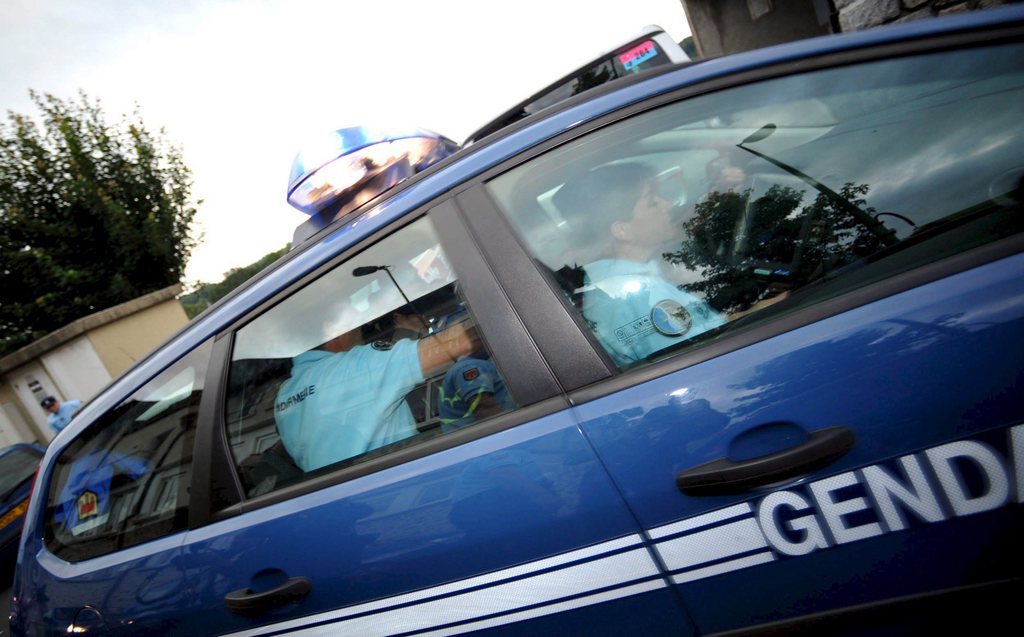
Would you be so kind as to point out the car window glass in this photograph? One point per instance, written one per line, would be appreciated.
(375, 355)
(17, 466)
(678, 224)
(126, 479)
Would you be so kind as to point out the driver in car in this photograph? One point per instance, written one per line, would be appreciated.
(631, 308)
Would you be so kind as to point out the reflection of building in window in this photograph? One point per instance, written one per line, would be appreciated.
(85, 502)
(125, 486)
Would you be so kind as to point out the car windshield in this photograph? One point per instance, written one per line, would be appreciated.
(16, 467)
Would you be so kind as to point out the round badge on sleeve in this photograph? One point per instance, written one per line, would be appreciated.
(671, 318)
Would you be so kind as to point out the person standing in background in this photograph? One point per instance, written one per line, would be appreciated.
(60, 413)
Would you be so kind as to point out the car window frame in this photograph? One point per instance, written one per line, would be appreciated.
(488, 217)
(44, 481)
(217, 492)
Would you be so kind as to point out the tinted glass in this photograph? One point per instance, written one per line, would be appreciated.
(16, 467)
(631, 59)
(126, 479)
(677, 225)
(378, 354)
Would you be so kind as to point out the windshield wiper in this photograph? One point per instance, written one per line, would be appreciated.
(886, 235)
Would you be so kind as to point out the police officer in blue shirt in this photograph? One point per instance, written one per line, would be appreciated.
(631, 308)
(60, 413)
(347, 396)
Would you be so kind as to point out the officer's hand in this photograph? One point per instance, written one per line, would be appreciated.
(447, 346)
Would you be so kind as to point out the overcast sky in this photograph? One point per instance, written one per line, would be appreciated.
(240, 83)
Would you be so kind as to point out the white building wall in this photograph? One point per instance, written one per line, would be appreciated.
(32, 384)
(12, 427)
(76, 369)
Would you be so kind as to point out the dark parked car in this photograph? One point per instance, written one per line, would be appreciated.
(732, 347)
(18, 465)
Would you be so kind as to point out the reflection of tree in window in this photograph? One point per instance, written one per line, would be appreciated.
(749, 250)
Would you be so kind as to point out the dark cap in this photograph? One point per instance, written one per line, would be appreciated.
(48, 402)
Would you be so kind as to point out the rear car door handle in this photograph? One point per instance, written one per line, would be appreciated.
(247, 602)
(724, 476)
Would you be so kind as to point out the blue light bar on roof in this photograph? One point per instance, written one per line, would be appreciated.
(353, 165)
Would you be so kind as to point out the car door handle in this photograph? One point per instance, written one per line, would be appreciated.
(724, 476)
(247, 602)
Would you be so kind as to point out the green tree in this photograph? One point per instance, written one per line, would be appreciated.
(91, 215)
(206, 294)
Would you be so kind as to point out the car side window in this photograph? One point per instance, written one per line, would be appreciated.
(378, 354)
(675, 226)
(126, 479)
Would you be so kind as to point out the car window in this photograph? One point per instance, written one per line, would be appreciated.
(635, 58)
(378, 354)
(679, 224)
(126, 479)
(17, 466)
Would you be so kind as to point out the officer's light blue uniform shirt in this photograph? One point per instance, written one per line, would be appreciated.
(61, 419)
(464, 384)
(339, 405)
(634, 312)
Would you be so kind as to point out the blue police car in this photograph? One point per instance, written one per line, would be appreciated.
(731, 347)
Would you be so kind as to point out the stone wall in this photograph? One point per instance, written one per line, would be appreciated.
(863, 14)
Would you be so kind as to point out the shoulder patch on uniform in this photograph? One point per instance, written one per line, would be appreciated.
(382, 345)
(671, 318)
(471, 374)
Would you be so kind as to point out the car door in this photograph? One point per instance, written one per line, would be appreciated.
(103, 555)
(808, 282)
(18, 466)
(501, 519)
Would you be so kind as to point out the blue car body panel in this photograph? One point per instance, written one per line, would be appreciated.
(427, 545)
(140, 589)
(913, 376)
(604, 541)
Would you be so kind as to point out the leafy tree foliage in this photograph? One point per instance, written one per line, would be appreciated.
(206, 294)
(749, 249)
(91, 215)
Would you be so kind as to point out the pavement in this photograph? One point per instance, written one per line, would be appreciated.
(6, 577)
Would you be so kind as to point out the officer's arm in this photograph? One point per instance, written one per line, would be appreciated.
(444, 348)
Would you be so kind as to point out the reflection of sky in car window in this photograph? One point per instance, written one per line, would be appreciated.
(338, 301)
(174, 390)
(929, 136)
